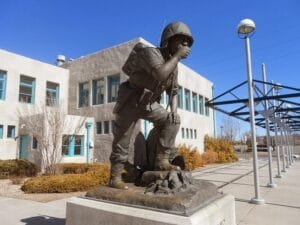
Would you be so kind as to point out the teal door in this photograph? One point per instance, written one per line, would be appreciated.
(24, 143)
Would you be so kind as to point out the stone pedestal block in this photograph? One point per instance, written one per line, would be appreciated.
(83, 211)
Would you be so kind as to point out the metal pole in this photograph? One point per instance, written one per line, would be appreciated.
(283, 150)
(257, 199)
(287, 149)
(271, 182)
(276, 138)
(292, 146)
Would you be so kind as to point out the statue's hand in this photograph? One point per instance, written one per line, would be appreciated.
(183, 52)
(175, 118)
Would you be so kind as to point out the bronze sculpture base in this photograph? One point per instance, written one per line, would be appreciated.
(186, 202)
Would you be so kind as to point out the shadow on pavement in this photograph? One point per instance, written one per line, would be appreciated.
(43, 220)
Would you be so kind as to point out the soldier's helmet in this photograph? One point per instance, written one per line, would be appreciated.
(173, 29)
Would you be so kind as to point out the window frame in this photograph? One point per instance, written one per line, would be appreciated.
(187, 97)
(51, 91)
(110, 84)
(207, 113)
(195, 102)
(95, 88)
(201, 104)
(11, 131)
(1, 131)
(24, 84)
(71, 145)
(82, 94)
(3, 80)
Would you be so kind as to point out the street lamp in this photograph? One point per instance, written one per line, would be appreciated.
(245, 30)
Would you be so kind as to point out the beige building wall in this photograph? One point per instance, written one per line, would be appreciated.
(16, 65)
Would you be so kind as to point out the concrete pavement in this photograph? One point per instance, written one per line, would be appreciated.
(282, 203)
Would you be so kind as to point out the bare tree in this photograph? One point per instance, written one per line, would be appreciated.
(47, 124)
(231, 128)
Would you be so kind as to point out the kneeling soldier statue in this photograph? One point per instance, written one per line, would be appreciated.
(151, 71)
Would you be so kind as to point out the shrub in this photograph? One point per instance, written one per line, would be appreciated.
(209, 157)
(78, 168)
(223, 149)
(68, 182)
(192, 157)
(17, 167)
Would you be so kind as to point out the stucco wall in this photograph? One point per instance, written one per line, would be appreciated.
(16, 65)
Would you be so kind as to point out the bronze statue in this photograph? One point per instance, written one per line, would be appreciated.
(151, 71)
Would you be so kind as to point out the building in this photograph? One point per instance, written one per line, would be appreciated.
(89, 86)
(28, 86)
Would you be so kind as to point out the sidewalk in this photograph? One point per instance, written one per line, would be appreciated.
(282, 203)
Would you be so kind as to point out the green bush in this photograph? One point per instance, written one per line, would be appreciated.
(17, 167)
(68, 182)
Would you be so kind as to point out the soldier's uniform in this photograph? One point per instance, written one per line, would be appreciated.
(138, 98)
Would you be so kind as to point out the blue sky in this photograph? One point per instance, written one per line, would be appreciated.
(44, 29)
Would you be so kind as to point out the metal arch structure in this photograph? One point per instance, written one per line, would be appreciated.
(276, 108)
(283, 104)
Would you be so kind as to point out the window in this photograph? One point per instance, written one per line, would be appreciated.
(84, 94)
(206, 108)
(182, 132)
(106, 127)
(195, 106)
(26, 89)
(52, 94)
(113, 87)
(187, 133)
(201, 111)
(180, 98)
(34, 143)
(2, 84)
(11, 131)
(1, 131)
(73, 145)
(195, 134)
(99, 127)
(187, 94)
(191, 133)
(98, 91)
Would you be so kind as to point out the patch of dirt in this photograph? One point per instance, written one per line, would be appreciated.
(10, 190)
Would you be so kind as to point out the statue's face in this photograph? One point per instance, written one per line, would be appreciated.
(177, 42)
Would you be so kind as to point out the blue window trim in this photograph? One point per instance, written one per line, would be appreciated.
(195, 101)
(95, 89)
(29, 85)
(72, 145)
(1, 131)
(180, 98)
(206, 108)
(53, 90)
(201, 110)
(11, 131)
(3, 78)
(187, 94)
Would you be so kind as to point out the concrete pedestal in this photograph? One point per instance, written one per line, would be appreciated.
(82, 211)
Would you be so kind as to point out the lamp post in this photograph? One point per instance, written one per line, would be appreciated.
(245, 30)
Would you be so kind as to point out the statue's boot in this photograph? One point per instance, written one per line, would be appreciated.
(162, 160)
(115, 180)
